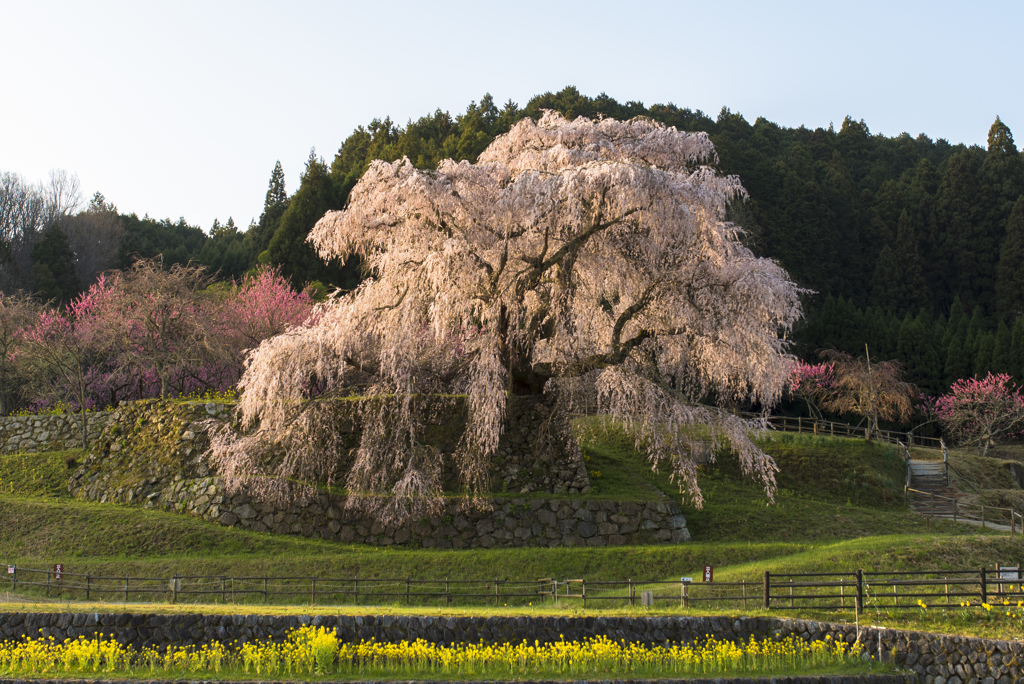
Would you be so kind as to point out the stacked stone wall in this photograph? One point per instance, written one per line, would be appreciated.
(49, 433)
(930, 658)
(150, 453)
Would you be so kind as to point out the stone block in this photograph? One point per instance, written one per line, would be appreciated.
(228, 518)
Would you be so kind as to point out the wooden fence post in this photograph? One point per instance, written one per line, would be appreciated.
(767, 590)
(860, 591)
(984, 587)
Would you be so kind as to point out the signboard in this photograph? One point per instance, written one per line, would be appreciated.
(684, 580)
(10, 569)
(58, 570)
(709, 573)
(1009, 572)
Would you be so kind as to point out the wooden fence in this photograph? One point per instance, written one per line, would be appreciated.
(859, 589)
(936, 505)
(821, 591)
(834, 429)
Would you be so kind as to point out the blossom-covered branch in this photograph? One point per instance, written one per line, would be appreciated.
(587, 257)
(978, 411)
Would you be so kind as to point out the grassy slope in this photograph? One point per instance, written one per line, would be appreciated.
(834, 511)
(834, 505)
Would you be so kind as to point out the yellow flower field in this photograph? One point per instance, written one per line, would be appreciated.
(310, 651)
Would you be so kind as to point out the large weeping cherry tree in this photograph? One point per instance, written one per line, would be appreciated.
(588, 259)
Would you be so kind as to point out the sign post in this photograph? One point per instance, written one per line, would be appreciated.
(709, 573)
(58, 570)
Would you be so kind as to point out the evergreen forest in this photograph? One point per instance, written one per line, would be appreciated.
(909, 246)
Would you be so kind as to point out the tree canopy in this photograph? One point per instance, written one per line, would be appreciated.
(588, 259)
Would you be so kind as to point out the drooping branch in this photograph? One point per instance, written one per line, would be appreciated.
(573, 257)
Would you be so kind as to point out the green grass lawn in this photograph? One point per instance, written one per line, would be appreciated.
(838, 507)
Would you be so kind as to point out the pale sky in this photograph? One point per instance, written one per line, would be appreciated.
(181, 108)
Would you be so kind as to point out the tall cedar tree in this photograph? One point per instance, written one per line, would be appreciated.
(912, 288)
(1002, 178)
(258, 237)
(54, 277)
(1010, 281)
(970, 252)
(1002, 351)
(959, 360)
(885, 290)
(919, 355)
(299, 263)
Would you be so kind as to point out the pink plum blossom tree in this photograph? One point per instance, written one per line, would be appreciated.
(587, 259)
(158, 320)
(977, 411)
(261, 306)
(812, 382)
(62, 346)
(18, 313)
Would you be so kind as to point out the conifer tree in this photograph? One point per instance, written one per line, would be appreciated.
(956, 326)
(1002, 179)
(1002, 350)
(959, 360)
(288, 248)
(1017, 351)
(53, 267)
(968, 250)
(274, 204)
(885, 291)
(880, 332)
(1010, 276)
(917, 353)
(985, 345)
(976, 326)
(912, 288)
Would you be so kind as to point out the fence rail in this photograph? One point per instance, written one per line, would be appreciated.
(835, 429)
(859, 589)
(930, 502)
(853, 590)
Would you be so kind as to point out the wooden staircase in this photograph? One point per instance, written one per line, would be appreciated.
(933, 495)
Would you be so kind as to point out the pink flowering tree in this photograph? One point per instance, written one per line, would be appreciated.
(61, 348)
(978, 411)
(18, 313)
(158, 320)
(594, 262)
(811, 382)
(261, 306)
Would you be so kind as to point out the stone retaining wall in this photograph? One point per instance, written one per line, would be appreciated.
(48, 433)
(515, 522)
(152, 451)
(150, 454)
(824, 679)
(935, 659)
